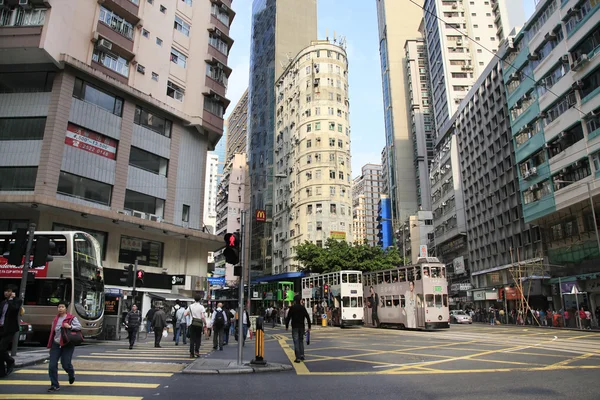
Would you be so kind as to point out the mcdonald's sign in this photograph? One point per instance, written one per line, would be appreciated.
(261, 215)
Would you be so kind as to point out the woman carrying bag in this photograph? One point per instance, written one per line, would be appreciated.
(61, 347)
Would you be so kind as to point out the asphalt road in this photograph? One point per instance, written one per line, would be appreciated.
(464, 362)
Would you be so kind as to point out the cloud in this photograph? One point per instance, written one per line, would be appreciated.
(237, 85)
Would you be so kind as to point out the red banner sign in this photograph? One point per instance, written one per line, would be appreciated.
(91, 141)
(11, 271)
(261, 215)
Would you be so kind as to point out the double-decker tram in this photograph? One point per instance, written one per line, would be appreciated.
(277, 294)
(75, 275)
(340, 292)
(414, 296)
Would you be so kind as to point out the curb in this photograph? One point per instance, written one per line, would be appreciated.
(245, 369)
(31, 362)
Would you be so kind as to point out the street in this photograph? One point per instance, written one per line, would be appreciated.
(466, 362)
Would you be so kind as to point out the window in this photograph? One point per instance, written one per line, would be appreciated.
(145, 33)
(84, 188)
(331, 174)
(163, 9)
(216, 72)
(181, 26)
(155, 76)
(332, 126)
(340, 128)
(213, 106)
(318, 111)
(178, 58)
(188, 2)
(147, 252)
(332, 190)
(141, 69)
(332, 209)
(318, 189)
(308, 127)
(331, 142)
(116, 23)
(22, 17)
(91, 94)
(159, 41)
(216, 42)
(319, 225)
(340, 144)
(309, 209)
(142, 202)
(175, 91)
(308, 143)
(22, 128)
(341, 175)
(221, 14)
(185, 213)
(112, 62)
(151, 121)
(17, 178)
(148, 161)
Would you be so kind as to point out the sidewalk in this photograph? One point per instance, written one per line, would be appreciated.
(594, 329)
(225, 362)
(27, 358)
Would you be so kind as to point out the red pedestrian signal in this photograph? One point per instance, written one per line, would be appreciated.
(231, 252)
(140, 274)
(139, 278)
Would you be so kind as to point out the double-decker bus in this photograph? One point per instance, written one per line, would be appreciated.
(342, 291)
(75, 275)
(414, 296)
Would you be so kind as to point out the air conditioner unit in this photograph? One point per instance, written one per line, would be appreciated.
(581, 61)
(217, 33)
(105, 44)
(124, 212)
(533, 56)
(563, 135)
(533, 171)
(25, 4)
(550, 36)
(224, 7)
(444, 204)
(154, 218)
(513, 77)
(565, 59)
(526, 174)
(139, 214)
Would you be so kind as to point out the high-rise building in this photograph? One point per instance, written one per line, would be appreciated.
(552, 75)
(366, 192)
(385, 228)
(280, 29)
(210, 192)
(312, 171)
(106, 115)
(385, 181)
(420, 115)
(398, 22)
(497, 235)
(220, 150)
(237, 127)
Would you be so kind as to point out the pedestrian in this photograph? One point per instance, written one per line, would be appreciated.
(374, 304)
(59, 349)
(227, 326)
(218, 321)
(197, 312)
(132, 324)
(245, 325)
(297, 314)
(9, 325)
(159, 323)
(180, 325)
(274, 316)
(149, 318)
(173, 316)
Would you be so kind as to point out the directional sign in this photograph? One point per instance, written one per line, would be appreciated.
(216, 281)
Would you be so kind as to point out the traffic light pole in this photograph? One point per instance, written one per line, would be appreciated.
(241, 337)
(26, 262)
(134, 279)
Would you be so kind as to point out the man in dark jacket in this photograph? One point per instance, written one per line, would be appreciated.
(9, 325)
(297, 314)
(132, 324)
(159, 322)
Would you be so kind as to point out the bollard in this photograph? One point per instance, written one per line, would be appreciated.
(324, 320)
(259, 345)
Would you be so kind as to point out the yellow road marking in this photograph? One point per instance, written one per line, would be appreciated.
(66, 397)
(137, 358)
(109, 373)
(84, 383)
(165, 356)
(570, 360)
(299, 367)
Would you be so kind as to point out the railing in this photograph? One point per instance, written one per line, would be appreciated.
(117, 64)
(116, 23)
(20, 17)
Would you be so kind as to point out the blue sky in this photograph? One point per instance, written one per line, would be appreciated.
(357, 21)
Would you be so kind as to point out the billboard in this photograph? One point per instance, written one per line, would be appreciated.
(261, 215)
(459, 265)
(338, 235)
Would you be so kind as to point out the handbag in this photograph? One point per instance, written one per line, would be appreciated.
(69, 336)
(197, 322)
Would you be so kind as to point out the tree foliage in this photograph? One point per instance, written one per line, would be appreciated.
(340, 255)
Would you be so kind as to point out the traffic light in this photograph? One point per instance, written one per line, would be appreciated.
(129, 279)
(232, 248)
(139, 278)
(237, 270)
(325, 290)
(15, 257)
(41, 256)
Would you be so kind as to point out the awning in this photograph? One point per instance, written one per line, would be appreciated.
(169, 296)
(573, 278)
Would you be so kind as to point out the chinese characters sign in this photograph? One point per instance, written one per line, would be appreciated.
(91, 141)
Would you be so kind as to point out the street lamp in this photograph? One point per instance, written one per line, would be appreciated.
(589, 188)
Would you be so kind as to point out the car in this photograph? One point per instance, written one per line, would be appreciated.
(460, 317)
(25, 332)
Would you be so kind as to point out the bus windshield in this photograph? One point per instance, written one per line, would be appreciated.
(89, 285)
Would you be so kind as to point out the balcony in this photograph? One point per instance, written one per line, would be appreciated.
(128, 9)
(119, 44)
(21, 35)
(113, 66)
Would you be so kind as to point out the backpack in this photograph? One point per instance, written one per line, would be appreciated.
(219, 319)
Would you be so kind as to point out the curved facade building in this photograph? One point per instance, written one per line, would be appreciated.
(312, 150)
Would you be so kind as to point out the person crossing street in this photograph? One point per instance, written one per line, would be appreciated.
(218, 321)
(297, 314)
(132, 324)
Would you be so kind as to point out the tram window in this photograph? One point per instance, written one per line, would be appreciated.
(438, 300)
(344, 278)
(379, 278)
(402, 275)
(388, 301)
(429, 300)
(359, 278)
(442, 272)
(435, 272)
(426, 272)
(402, 301)
(445, 300)
(336, 279)
(346, 301)
(382, 301)
(418, 273)
(410, 275)
(352, 278)
(386, 277)
(396, 300)
(395, 275)
(353, 302)
(360, 301)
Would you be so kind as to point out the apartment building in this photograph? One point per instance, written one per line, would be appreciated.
(280, 29)
(366, 192)
(552, 76)
(312, 171)
(237, 127)
(398, 22)
(419, 112)
(106, 122)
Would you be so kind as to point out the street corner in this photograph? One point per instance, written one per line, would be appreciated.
(230, 367)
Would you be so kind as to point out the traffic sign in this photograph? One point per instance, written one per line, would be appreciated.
(216, 281)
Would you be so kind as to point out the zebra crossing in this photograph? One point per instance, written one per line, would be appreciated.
(105, 371)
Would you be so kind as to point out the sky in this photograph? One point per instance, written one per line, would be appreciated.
(357, 21)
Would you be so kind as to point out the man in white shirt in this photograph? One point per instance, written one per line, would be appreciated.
(197, 312)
